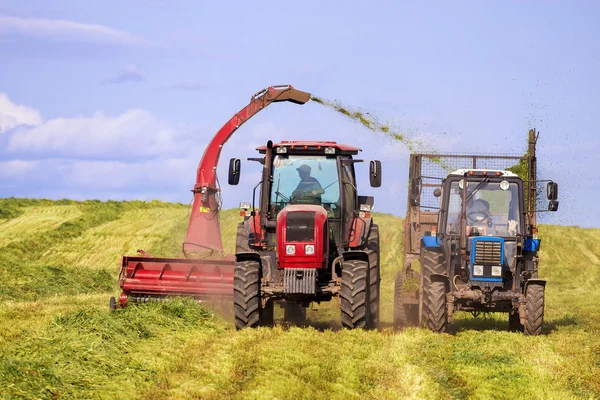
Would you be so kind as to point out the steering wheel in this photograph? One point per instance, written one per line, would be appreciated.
(304, 197)
(285, 198)
(478, 217)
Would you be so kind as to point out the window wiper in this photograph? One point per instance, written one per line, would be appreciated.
(477, 188)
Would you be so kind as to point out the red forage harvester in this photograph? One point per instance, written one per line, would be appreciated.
(203, 271)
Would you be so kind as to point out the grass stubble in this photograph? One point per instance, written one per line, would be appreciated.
(59, 340)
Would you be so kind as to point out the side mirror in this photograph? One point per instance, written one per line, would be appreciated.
(552, 191)
(553, 205)
(375, 173)
(437, 192)
(415, 191)
(234, 171)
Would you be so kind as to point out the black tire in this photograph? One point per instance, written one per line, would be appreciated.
(374, 276)
(294, 313)
(242, 240)
(435, 313)
(246, 294)
(534, 314)
(354, 299)
(514, 322)
(112, 303)
(400, 317)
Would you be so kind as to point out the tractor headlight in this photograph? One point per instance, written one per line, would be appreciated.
(365, 207)
(290, 249)
(309, 249)
(478, 270)
(245, 205)
(329, 150)
(281, 150)
(497, 270)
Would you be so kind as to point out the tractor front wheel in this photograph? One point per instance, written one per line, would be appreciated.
(435, 310)
(354, 299)
(246, 295)
(433, 298)
(534, 313)
(374, 275)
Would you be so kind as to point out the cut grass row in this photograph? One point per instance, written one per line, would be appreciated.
(58, 339)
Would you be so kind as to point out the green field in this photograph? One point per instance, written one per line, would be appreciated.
(59, 264)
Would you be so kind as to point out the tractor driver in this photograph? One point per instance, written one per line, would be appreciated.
(308, 186)
(478, 212)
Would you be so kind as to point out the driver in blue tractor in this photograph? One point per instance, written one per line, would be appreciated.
(478, 213)
(309, 188)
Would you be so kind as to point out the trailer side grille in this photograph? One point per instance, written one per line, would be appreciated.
(487, 252)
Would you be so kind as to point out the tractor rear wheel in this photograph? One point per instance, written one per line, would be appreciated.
(534, 314)
(400, 317)
(354, 299)
(374, 275)
(246, 294)
(435, 313)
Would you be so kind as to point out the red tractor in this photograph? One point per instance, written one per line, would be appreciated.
(312, 238)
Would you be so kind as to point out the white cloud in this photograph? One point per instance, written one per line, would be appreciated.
(129, 136)
(13, 115)
(131, 73)
(63, 30)
(13, 168)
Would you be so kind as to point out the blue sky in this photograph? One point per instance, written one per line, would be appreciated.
(117, 100)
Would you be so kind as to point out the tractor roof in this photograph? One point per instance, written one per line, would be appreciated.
(312, 145)
(483, 172)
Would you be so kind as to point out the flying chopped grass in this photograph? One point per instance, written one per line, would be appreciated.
(371, 122)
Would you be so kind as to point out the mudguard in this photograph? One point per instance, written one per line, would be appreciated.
(540, 282)
(248, 256)
(441, 278)
(431, 242)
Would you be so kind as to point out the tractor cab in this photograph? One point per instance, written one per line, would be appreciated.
(493, 205)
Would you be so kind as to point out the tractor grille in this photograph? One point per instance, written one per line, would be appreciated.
(488, 252)
(300, 226)
(299, 280)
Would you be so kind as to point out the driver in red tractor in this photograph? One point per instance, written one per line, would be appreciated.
(308, 185)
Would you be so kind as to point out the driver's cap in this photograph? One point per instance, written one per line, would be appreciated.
(303, 168)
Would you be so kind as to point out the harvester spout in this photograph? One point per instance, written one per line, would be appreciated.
(203, 230)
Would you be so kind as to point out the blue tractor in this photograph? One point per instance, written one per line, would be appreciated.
(480, 254)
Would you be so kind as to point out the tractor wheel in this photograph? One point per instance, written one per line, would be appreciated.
(242, 239)
(374, 275)
(354, 299)
(294, 313)
(400, 317)
(246, 294)
(435, 313)
(514, 322)
(534, 314)
(112, 303)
